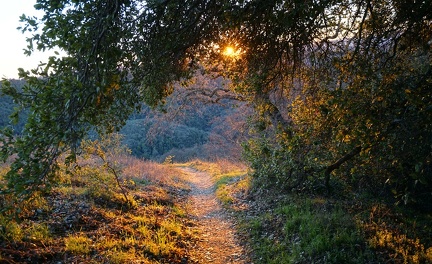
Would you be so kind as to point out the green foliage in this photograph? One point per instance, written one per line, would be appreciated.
(222, 187)
(343, 87)
(359, 114)
(16, 232)
(308, 231)
(384, 114)
(39, 232)
(280, 161)
(10, 230)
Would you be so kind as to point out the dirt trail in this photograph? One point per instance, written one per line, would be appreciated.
(218, 243)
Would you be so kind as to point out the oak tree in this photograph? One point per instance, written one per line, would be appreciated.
(334, 83)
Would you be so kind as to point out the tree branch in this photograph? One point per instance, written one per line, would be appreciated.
(338, 163)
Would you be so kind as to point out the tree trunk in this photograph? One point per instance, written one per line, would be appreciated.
(338, 163)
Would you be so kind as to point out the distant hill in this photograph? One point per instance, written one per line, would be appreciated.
(187, 128)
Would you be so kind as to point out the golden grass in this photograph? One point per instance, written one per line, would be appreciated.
(110, 228)
(409, 250)
(385, 235)
(139, 170)
(230, 178)
(218, 167)
(78, 244)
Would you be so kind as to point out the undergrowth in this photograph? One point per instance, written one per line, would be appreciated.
(295, 228)
(287, 227)
(88, 218)
(305, 230)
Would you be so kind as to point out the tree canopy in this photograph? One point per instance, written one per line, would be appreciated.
(334, 83)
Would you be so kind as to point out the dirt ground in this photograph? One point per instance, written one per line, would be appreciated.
(218, 241)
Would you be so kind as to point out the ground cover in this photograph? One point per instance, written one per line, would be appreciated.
(202, 212)
(86, 218)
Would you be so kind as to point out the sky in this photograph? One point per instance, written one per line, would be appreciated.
(13, 42)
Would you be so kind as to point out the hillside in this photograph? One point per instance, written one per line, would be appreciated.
(194, 130)
(182, 128)
(201, 212)
(153, 216)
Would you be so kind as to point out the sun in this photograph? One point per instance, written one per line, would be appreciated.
(230, 51)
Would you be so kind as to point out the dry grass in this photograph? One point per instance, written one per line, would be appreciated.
(78, 244)
(219, 167)
(231, 179)
(85, 219)
(137, 169)
(395, 237)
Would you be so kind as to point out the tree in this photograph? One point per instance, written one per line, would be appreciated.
(351, 103)
(311, 68)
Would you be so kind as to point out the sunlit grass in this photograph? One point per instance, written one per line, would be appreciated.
(120, 257)
(144, 227)
(227, 185)
(179, 211)
(78, 244)
(13, 231)
(171, 227)
(144, 232)
(295, 230)
(218, 167)
(107, 243)
(153, 230)
(10, 230)
(223, 190)
(228, 177)
(39, 232)
(163, 243)
(410, 250)
(149, 171)
(385, 235)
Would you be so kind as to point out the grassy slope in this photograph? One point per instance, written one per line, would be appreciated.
(86, 219)
(299, 228)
